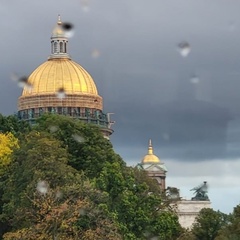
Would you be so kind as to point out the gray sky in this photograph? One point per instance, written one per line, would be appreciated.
(189, 106)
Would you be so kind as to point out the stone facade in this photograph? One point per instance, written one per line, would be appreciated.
(188, 210)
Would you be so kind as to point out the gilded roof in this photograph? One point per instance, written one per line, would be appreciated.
(150, 157)
(59, 73)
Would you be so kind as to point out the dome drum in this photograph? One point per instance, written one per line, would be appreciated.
(51, 100)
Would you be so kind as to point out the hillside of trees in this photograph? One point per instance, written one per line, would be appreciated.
(61, 179)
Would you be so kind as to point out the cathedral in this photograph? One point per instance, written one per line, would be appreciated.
(62, 86)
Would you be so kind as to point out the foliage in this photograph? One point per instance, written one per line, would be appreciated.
(140, 211)
(88, 149)
(7, 144)
(208, 223)
(13, 125)
(232, 230)
(31, 212)
(74, 159)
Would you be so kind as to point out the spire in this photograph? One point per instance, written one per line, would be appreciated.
(59, 41)
(150, 149)
(59, 19)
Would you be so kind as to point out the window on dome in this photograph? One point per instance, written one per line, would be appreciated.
(55, 48)
(61, 47)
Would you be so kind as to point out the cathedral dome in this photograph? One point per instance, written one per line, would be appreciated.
(150, 157)
(61, 86)
(60, 73)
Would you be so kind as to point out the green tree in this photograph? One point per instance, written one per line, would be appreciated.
(232, 230)
(43, 195)
(88, 149)
(140, 209)
(12, 124)
(208, 224)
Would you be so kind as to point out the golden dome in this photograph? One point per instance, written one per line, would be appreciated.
(150, 157)
(58, 73)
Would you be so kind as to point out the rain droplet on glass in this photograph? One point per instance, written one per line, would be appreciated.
(59, 194)
(61, 93)
(85, 5)
(53, 129)
(194, 80)
(78, 138)
(95, 53)
(23, 83)
(68, 29)
(82, 211)
(184, 48)
(42, 187)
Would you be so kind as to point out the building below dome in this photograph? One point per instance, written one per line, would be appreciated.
(154, 168)
(62, 86)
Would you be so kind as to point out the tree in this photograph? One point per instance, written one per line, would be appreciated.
(208, 224)
(7, 144)
(140, 208)
(12, 124)
(231, 231)
(43, 195)
(88, 149)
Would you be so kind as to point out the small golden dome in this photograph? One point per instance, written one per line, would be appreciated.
(150, 157)
(58, 73)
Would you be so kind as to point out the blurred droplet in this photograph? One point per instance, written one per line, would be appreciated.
(166, 136)
(194, 80)
(42, 187)
(61, 93)
(232, 26)
(59, 195)
(184, 48)
(68, 29)
(95, 53)
(14, 77)
(22, 81)
(53, 129)
(155, 238)
(85, 5)
(82, 211)
(78, 138)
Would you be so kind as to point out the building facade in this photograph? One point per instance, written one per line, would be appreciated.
(154, 167)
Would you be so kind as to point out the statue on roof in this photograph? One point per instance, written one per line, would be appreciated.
(201, 192)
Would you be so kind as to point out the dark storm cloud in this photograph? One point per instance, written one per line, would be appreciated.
(139, 72)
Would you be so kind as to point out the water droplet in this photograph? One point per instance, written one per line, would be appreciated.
(68, 29)
(155, 238)
(95, 53)
(184, 48)
(82, 211)
(59, 194)
(232, 26)
(42, 187)
(78, 138)
(22, 81)
(166, 136)
(61, 93)
(194, 80)
(53, 129)
(85, 5)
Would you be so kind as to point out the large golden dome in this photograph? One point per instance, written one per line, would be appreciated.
(150, 157)
(57, 73)
(61, 86)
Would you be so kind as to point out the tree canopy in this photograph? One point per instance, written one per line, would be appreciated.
(66, 180)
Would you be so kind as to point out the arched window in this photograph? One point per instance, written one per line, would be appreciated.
(65, 47)
(55, 47)
(61, 47)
